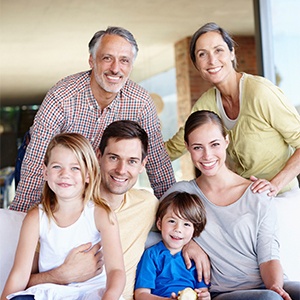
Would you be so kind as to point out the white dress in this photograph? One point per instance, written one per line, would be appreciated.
(55, 244)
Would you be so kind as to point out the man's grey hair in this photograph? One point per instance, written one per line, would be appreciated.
(96, 39)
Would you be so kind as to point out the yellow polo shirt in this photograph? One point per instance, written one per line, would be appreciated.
(135, 216)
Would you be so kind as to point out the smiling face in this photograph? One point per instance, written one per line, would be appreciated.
(207, 147)
(176, 232)
(213, 57)
(112, 64)
(120, 165)
(63, 174)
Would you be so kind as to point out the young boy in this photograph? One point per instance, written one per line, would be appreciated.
(161, 270)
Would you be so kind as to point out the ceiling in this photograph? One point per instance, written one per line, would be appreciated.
(44, 40)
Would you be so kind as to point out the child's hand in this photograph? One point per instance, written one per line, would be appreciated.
(187, 294)
(202, 294)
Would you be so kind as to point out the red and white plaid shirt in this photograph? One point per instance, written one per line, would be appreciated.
(71, 107)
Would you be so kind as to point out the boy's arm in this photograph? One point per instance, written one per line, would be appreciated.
(145, 294)
(80, 265)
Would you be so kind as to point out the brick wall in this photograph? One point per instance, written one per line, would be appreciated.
(246, 54)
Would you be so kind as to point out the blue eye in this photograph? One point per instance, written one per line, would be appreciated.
(75, 169)
(132, 162)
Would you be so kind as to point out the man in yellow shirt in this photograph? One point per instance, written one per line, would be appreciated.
(122, 157)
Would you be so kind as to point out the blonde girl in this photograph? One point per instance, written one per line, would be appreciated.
(70, 214)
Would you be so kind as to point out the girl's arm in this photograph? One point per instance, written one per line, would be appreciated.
(272, 276)
(112, 252)
(21, 270)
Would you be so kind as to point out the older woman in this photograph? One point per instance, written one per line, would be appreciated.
(240, 233)
(264, 128)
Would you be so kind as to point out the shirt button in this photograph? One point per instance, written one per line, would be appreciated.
(91, 107)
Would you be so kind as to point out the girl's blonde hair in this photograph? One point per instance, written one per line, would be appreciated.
(89, 166)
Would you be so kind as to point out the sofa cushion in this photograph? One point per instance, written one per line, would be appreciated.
(289, 224)
(10, 225)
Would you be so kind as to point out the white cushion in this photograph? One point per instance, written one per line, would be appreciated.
(10, 225)
(288, 209)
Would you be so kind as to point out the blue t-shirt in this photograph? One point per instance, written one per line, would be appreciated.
(165, 273)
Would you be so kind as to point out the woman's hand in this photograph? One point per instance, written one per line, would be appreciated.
(261, 185)
(279, 290)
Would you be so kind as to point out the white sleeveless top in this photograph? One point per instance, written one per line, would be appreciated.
(56, 242)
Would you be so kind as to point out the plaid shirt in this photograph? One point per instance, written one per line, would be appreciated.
(71, 107)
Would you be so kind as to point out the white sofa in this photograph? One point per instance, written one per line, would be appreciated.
(289, 226)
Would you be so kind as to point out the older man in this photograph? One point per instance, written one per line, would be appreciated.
(87, 103)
